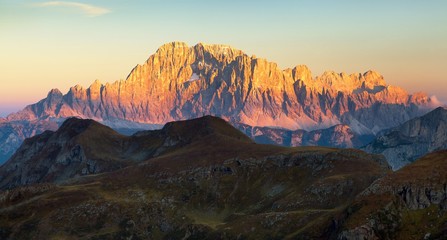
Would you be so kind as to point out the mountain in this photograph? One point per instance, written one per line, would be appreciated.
(340, 136)
(68, 152)
(180, 82)
(410, 203)
(13, 133)
(412, 139)
(194, 179)
(82, 147)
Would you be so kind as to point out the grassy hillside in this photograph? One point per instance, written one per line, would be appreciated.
(204, 179)
(408, 204)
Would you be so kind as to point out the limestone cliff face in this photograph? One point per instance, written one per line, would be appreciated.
(181, 82)
(413, 139)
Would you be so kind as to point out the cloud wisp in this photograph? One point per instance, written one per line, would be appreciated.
(87, 9)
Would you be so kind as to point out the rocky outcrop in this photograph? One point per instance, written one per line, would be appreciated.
(413, 139)
(411, 202)
(419, 184)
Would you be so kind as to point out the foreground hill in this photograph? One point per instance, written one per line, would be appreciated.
(81, 147)
(408, 204)
(193, 179)
(413, 139)
(179, 82)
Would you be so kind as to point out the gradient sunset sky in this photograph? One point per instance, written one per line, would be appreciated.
(58, 44)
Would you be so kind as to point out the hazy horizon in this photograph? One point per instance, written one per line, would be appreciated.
(58, 44)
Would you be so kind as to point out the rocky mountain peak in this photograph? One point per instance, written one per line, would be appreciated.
(54, 97)
(216, 48)
(74, 126)
(54, 92)
(370, 81)
(96, 84)
(171, 47)
(303, 73)
(94, 91)
(373, 79)
(423, 98)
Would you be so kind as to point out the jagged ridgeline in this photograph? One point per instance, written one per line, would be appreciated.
(272, 105)
(181, 82)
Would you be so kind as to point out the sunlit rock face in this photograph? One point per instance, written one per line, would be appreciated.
(181, 82)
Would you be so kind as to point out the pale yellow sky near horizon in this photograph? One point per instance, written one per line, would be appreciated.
(45, 46)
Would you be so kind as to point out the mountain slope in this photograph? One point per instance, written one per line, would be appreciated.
(207, 181)
(408, 204)
(81, 147)
(340, 136)
(70, 151)
(412, 139)
(13, 133)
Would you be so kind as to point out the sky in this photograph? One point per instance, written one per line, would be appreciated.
(58, 44)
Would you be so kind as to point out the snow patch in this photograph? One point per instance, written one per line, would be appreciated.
(257, 133)
(194, 77)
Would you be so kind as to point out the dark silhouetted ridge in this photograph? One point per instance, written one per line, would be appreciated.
(202, 127)
(83, 146)
(74, 126)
